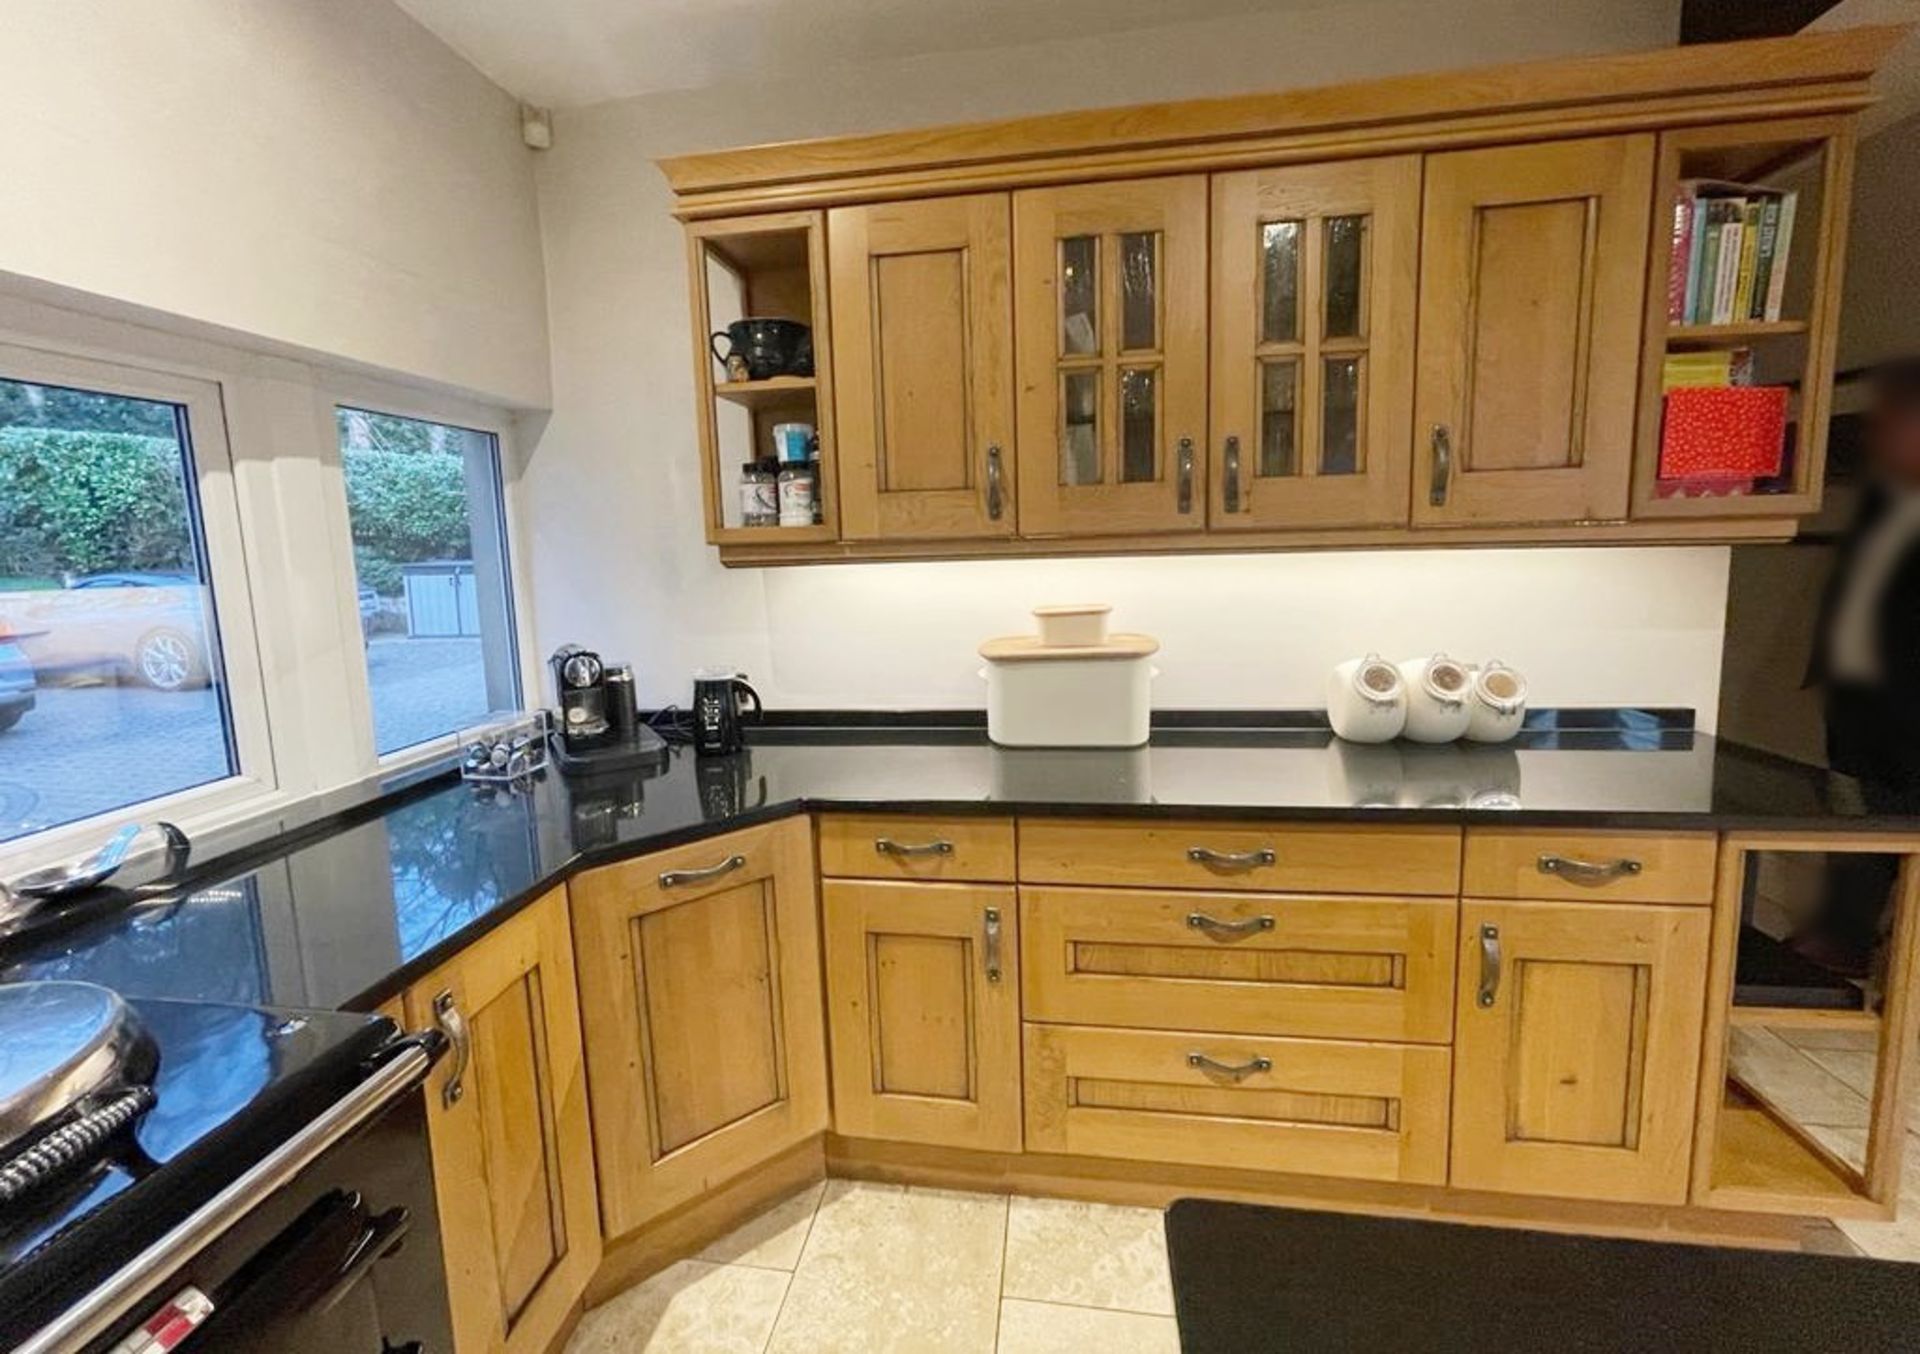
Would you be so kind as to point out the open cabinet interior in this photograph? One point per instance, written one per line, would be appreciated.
(1809, 1032)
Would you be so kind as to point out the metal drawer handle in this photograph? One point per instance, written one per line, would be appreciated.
(1231, 860)
(996, 499)
(1200, 921)
(1442, 442)
(1184, 461)
(1588, 871)
(992, 947)
(1489, 965)
(887, 846)
(446, 1014)
(674, 878)
(1230, 492)
(1239, 1072)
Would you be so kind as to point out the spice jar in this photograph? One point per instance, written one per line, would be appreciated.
(796, 495)
(759, 495)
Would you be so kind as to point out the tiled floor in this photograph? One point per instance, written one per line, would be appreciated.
(852, 1266)
(857, 1267)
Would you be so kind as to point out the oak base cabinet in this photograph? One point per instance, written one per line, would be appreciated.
(700, 993)
(507, 1121)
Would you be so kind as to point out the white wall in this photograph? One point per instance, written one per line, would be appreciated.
(322, 174)
(613, 487)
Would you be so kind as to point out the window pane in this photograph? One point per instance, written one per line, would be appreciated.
(1340, 417)
(1080, 437)
(1079, 283)
(1280, 282)
(429, 546)
(1139, 433)
(1277, 384)
(1346, 275)
(111, 685)
(1138, 320)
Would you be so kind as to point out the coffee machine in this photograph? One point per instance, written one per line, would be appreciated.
(580, 686)
(598, 729)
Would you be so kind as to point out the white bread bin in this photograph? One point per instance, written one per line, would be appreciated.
(1043, 695)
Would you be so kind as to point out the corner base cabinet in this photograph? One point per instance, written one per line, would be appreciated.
(700, 994)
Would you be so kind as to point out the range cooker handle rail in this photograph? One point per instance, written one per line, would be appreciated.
(114, 1298)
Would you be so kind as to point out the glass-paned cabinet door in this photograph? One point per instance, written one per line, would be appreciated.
(1314, 287)
(1110, 323)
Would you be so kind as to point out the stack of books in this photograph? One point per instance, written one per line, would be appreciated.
(1730, 248)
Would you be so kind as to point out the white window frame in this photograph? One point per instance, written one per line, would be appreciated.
(256, 783)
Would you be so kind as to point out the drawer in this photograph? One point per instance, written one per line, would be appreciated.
(1622, 867)
(1343, 968)
(1309, 1107)
(916, 846)
(1224, 854)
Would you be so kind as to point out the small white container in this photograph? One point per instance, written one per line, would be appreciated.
(1366, 700)
(1437, 692)
(1077, 696)
(1498, 705)
(1075, 625)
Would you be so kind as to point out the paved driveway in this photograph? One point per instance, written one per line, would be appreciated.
(90, 749)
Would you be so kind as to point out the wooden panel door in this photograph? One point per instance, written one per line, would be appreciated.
(1110, 315)
(923, 1011)
(923, 323)
(700, 993)
(1315, 272)
(507, 1120)
(1533, 266)
(1577, 1048)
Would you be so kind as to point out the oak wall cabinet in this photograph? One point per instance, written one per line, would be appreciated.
(700, 994)
(507, 1122)
(1429, 310)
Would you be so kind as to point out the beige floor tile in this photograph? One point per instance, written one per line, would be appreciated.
(1802, 1090)
(1050, 1328)
(772, 1240)
(1090, 1255)
(689, 1308)
(887, 1268)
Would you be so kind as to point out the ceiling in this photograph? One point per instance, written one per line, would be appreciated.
(564, 53)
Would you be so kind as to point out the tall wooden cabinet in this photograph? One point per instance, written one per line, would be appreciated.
(507, 1122)
(923, 322)
(1533, 263)
(700, 994)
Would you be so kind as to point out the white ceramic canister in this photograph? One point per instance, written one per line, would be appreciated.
(1498, 705)
(1437, 692)
(1366, 700)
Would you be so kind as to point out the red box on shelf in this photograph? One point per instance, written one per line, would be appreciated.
(1715, 434)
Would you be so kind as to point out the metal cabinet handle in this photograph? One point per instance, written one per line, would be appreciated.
(887, 846)
(992, 946)
(1239, 1072)
(1442, 442)
(446, 1014)
(996, 498)
(1185, 471)
(1489, 965)
(1231, 860)
(1231, 489)
(1587, 871)
(1200, 921)
(674, 878)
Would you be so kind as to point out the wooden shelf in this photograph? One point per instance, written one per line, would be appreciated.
(1718, 335)
(760, 394)
(1805, 1018)
(1754, 1153)
(817, 534)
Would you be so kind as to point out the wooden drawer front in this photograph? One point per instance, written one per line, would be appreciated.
(1229, 855)
(1364, 1111)
(1622, 867)
(914, 846)
(1345, 968)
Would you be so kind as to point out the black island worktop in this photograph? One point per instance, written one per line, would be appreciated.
(343, 911)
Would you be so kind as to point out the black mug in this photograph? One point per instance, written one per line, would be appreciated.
(718, 725)
(767, 348)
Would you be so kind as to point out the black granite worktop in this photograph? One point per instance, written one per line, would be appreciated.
(344, 912)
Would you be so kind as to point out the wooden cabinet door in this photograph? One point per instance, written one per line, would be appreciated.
(923, 1011)
(923, 333)
(507, 1120)
(1315, 272)
(1110, 315)
(700, 994)
(1533, 265)
(1577, 1048)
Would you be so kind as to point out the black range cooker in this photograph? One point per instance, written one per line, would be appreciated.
(202, 1176)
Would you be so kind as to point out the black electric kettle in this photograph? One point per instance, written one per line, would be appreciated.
(718, 724)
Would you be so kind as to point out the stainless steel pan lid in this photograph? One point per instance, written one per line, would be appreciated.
(61, 1043)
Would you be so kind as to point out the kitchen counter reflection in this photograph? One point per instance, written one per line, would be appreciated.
(347, 919)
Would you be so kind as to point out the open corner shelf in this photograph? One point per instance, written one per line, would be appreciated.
(760, 394)
(1756, 1154)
